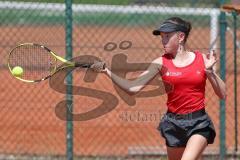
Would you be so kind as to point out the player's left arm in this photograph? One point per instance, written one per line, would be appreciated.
(217, 83)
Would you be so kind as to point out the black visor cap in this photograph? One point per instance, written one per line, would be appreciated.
(169, 26)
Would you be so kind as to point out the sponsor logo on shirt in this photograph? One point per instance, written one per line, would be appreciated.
(173, 74)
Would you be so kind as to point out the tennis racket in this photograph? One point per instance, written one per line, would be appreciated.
(39, 62)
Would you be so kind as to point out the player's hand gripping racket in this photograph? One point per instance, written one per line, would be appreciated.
(40, 63)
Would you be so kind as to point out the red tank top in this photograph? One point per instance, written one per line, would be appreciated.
(188, 85)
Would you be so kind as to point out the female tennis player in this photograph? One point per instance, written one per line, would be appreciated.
(186, 126)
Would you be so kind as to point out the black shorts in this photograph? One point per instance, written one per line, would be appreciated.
(178, 128)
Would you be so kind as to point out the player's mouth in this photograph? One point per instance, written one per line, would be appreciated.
(165, 48)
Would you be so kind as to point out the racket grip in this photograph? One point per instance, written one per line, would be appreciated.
(98, 65)
(83, 65)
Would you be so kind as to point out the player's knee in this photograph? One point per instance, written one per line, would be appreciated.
(190, 156)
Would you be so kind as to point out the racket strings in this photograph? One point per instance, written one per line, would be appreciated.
(36, 61)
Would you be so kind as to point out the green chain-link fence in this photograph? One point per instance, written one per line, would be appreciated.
(118, 34)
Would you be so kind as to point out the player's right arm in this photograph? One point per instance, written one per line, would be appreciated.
(134, 86)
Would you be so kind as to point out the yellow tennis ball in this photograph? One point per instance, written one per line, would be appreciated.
(17, 71)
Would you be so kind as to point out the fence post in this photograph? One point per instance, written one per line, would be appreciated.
(69, 123)
(223, 26)
(234, 14)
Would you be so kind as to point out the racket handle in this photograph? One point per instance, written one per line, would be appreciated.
(82, 65)
(98, 65)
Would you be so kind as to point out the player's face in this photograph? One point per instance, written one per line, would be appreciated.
(170, 42)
